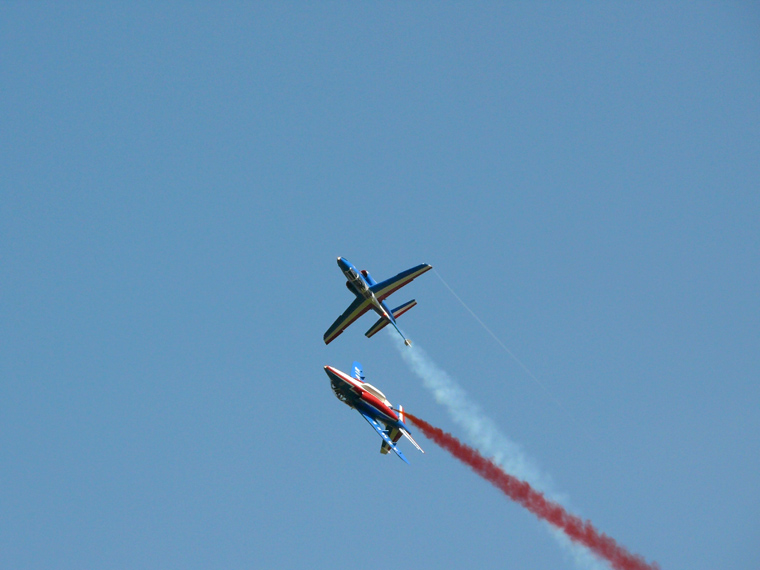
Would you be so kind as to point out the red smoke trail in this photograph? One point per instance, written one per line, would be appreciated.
(522, 493)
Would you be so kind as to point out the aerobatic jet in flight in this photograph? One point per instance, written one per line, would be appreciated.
(371, 295)
(372, 404)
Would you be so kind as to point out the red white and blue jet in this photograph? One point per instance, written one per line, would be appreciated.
(371, 295)
(372, 404)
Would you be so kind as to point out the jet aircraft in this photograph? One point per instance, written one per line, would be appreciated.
(371, 295)
(372, 404)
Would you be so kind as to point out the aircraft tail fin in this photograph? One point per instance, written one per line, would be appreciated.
(393, 433)
(401, 431)
(357, 371)
(382, 322)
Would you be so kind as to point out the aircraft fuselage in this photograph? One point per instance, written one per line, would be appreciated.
(360, 283)
(362, 396)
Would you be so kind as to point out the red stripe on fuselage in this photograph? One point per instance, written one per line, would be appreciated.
(378, 404)
(370, 399)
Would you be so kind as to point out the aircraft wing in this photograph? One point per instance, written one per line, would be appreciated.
(385, 288)
(374, 423)
(354, 311)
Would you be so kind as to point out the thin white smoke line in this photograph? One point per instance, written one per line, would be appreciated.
(504, 346)
(487, 437)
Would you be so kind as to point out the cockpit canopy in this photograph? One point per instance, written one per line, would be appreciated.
(375, 392)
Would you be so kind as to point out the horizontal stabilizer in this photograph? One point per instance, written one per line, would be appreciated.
(409, 437)
(394, 434)
(382, 321)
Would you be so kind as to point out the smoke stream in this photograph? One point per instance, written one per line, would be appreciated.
(480, 429)
(487, 437)
(578, 530)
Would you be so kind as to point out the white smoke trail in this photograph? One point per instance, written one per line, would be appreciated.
(485, 436)
(481, 430)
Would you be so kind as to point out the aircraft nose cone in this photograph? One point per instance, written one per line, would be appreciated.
(343, 264)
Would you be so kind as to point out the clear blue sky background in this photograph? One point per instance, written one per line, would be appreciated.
(176, 181)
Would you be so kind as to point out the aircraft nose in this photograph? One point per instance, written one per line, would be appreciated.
(343, 264)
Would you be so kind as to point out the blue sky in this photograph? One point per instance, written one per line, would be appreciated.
(176, 181)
